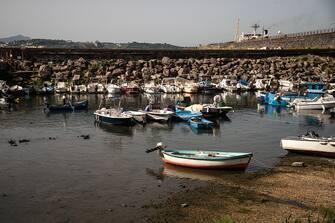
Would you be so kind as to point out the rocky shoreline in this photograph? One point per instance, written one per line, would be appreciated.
(300, 68)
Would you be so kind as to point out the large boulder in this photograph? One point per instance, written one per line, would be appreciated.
(166, 60)
(44, 71)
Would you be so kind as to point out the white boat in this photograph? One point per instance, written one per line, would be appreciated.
(168, 86)
(113, 89)
(159, 114)
(138, 116)
(151, 88)
(209, 110)
(230, 84)
(92, 88)
(62, 87)
(262, 84)
(79, 89)
(113, 116)
(321, 102)
(191, 88)
(310, 143)
(101, 89)
(286, 84)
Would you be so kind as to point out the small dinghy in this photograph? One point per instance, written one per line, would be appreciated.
(200, 123)
(310, 143)
(67, 107)
(205, 159)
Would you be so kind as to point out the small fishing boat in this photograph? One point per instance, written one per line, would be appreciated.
(261, 84)
(92, 88)
(321, 102)
(186, 115)
(113, 89)
(113, 116)
(209, 110)
(130, 88)
(101, 89)
(190, 87)
(62, 87)
(169, 86)
(78, 89)
(310, 143)
(205, 159)
(159, 114)
(205, 85)
(200, 123)
(151, 88)
(286, 84)
(67, 107)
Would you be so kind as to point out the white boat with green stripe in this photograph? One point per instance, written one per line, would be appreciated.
(205, 159)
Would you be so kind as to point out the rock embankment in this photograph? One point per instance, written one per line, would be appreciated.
(302, 68)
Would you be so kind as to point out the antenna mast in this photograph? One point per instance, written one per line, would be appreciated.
(255, 27)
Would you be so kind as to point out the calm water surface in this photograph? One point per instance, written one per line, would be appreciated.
(109, 177)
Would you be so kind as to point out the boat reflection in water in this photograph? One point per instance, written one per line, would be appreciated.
(117, 129)
(310, 118)
(271, 111)
(215, 131)
(168, 170)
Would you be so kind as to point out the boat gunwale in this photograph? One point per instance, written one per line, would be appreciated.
(205, 158)
(109, 116)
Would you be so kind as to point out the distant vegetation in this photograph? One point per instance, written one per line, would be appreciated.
(22, 41)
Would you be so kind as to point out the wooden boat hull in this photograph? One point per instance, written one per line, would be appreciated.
(317, 147)
(239, 161)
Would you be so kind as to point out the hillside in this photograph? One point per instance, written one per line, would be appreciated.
(48, 43)
(14, 38)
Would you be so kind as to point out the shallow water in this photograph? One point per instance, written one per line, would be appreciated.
(109, 177)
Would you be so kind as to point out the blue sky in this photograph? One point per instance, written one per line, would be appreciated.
(179, 22)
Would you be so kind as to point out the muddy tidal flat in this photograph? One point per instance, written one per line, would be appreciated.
(56, 175)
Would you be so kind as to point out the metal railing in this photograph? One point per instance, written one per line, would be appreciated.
(308, 33)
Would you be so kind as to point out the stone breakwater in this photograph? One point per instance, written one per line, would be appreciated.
(299, 68)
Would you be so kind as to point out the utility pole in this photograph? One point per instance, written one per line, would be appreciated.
(237, 33)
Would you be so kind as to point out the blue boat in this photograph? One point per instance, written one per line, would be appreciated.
(200, 123)
(68, 107)
(186, 115)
